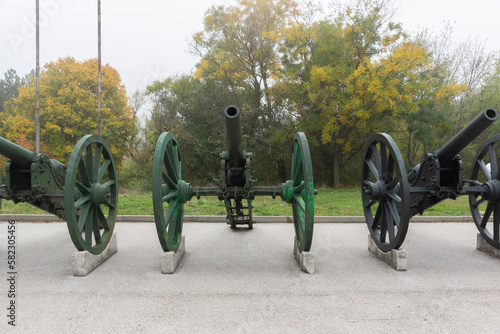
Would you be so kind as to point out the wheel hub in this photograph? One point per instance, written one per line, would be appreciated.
(377, 191)
(493, 190)
(184, 191)
(98, 194)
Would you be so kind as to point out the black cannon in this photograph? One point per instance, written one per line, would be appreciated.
(391, 195)
(235, 185)
(84, 193)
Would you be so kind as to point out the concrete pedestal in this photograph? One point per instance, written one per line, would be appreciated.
(485, 247)
(84, 262)
(305, 260)
(170, 260)
(395, 259)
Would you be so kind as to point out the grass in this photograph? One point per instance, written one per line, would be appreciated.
(329, 202)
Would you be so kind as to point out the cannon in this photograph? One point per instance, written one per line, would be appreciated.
(391, 196)
(235, 185)
(83, 193)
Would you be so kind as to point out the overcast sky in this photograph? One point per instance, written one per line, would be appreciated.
(148, 39)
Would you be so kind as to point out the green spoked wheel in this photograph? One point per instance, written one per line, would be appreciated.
(170, 192)
(299, 191)
(90, 194)
(385, 192)
(485, 173)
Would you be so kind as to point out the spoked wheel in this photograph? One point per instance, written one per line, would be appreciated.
(170, 192)
(385, 192)
(299, 191)
(90, 194)
(485, 172)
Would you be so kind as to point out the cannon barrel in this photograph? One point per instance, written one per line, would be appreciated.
(234, 139)
(466, 135)
(15, 152)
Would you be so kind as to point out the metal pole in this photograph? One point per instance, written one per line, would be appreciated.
(99, 67)
(37, 111)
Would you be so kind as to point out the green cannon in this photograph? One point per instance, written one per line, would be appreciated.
(235, 185)
(83, 193)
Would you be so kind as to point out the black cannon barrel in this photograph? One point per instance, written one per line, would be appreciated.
(466, 135)
(15, 152)
(234, 139)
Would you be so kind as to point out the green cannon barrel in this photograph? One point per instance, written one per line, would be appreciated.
(15, 152)
(234, 139)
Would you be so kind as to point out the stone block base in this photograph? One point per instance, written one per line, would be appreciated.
(305, 260)
(485, 247)
(170, 260)
(84, 262)
(395, 259)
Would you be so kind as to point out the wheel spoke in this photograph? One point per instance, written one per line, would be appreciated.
(493, 160)
(487, 214)
(298, 189)
(383, 161)
(394, 197)
(390, 222)
(369, 205)
(89, 159)
(102, 218)
(394, 212)
(97, 162)
(88, 227)
(383, 222)
(171, 184)
(486, 172)
(95, 227)
(298, 174)
(170, 165)
(103, 170)
(109, 184)
(390, 170)
(169, 196)
(373, 169)
(299, 201)
(109, 204)
(376, 219)
(478, 203)
(82, 201)
(84, 174)
(378, 160)
(84, 214)
(81, 188)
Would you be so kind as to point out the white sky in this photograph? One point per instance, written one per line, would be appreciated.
(148, 39)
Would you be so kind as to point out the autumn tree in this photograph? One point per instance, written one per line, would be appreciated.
(362, 68)
(9, 86)
(68, 108)
(240, 50)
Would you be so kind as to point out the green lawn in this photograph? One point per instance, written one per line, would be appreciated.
(329, 202)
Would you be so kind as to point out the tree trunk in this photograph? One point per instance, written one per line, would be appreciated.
(336, 171)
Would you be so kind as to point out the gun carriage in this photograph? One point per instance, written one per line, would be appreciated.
(391, 196)
(235, 185)
(83, 193)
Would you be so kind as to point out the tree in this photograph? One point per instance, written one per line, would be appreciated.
(363, 68)
(240, 50)
(68, 100)
(9, 86)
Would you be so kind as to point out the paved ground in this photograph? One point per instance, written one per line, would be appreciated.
(248, 282)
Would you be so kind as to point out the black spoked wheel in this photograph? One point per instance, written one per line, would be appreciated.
(385, 192)
(485, 172)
